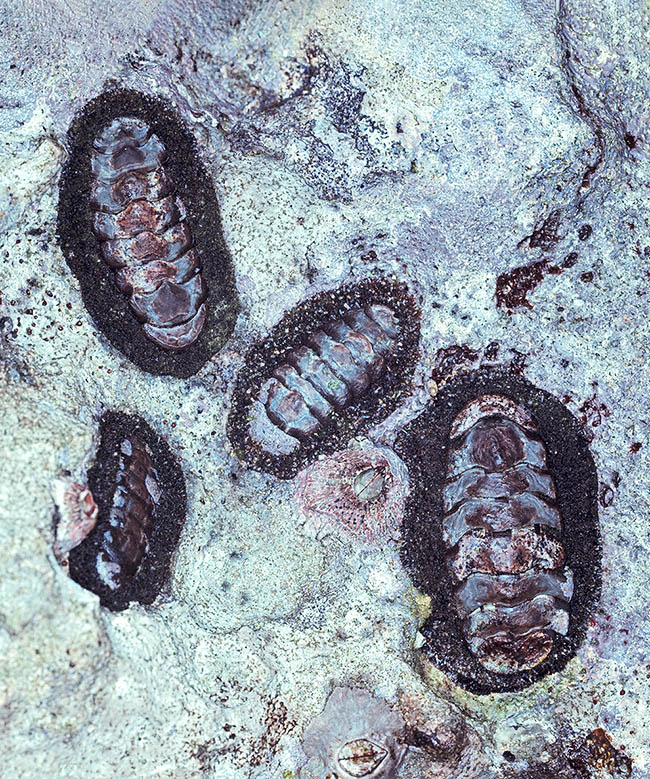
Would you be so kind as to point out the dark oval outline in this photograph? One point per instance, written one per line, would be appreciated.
(154, 570)
(108, 307)
(381, 400)
(423, 445)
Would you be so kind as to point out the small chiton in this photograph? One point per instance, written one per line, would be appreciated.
(334, 365)
(139, 227)
(139, 491)
(501, 530)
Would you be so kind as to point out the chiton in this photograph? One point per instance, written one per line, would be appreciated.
(139, 491)
(139, 226)
(333, 366)
(501, 530)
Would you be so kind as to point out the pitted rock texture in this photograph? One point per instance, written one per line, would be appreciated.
(438, 143)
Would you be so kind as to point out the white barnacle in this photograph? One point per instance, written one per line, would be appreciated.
(357, 736)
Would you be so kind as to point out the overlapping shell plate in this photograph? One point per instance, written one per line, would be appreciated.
(140, 494)
(334, 365)
(144, 235)
(501, 530)
(139, 227)
(503, 534)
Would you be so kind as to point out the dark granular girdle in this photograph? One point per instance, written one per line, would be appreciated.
(139, 226)
(140, 494)
(334, 365)
(503, 497)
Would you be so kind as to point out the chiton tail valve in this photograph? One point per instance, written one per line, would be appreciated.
(139, 227)
(501, 530)
(139, 492)
(331, 368)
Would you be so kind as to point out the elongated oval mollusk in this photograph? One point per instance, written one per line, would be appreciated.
(139, 490)
(337, 364)
(143, 234)
(334, 366)
(125, 539)
(503, 535)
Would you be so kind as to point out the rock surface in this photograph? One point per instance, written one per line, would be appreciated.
(495, 157)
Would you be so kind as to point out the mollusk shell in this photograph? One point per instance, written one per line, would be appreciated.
(334, 365)
(503, 496)
(77, 515)
(132, 515)
(138, 224)
(511, 587)
(143, 233)
(140, 494)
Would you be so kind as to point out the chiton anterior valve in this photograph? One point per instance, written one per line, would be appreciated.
(501, 530)
(139, 227)
(333, 366)
(140, 494)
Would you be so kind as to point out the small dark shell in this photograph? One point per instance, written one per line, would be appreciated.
(139, 227)
(140, 494)
(501, 530)
(334, 366)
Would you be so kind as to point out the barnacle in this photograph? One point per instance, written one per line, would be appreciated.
(361, 490)
(76, 516)
(356, 735)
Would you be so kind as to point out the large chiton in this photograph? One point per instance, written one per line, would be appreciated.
(501, 530)
(139, 490)
(331, 368)
(139, 226)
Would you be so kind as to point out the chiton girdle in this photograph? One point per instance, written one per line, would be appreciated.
(139, 490)
(340, 401)
(426, 445)
(178, 188)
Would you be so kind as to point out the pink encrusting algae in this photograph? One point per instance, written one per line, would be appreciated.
(362, 491)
